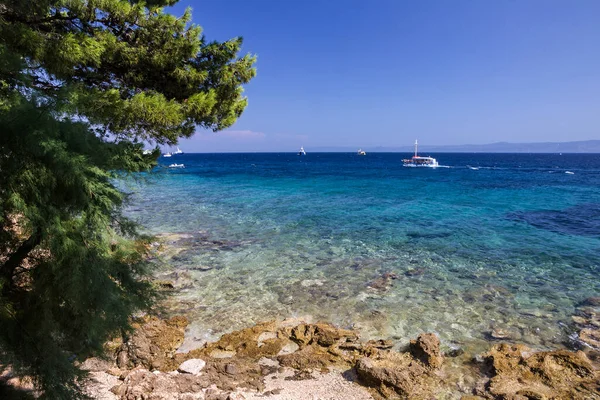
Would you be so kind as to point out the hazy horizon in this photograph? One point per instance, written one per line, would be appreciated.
(581, 147)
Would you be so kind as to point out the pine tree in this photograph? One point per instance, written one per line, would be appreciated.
(83, 84)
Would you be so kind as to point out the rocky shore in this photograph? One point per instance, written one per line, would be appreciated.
(299, 359)
(292, 359)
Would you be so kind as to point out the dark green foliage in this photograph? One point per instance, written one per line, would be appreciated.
(82, 84)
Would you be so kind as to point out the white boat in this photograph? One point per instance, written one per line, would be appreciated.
(301, 152)
(418, 161)
(361, 152)
(167, 155)
(176, 166)
(178, 151)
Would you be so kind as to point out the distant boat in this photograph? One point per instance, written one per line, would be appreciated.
(178, 151)
(301, 152)
(361, 152)
(417, 161)
(167, 155)
(176, 166)
(569, 172)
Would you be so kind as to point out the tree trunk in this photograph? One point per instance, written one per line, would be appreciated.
(7, 269)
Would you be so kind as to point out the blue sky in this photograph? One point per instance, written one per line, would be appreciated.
(384, 72)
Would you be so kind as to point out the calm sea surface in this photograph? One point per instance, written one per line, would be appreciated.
(505, 242)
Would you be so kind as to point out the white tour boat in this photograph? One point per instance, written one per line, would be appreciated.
(167, 155)
(176, 166)
(418, 161)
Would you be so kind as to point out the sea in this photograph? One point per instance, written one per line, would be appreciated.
(486, 247)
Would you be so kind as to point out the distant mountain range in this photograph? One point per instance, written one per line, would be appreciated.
(585, 146)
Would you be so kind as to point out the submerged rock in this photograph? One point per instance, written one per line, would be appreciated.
(501, 334)
(591, 337)
(383, 282)
(415, 271)
(591, 301)
(587, 320)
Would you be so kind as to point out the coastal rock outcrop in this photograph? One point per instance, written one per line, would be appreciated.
(245, 361)
(242, 359)
(408, 375)
(397, 374)
(519, 373)
(426, 348)
(152, 344)
(143, 384)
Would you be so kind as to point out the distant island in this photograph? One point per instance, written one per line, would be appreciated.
(585, 146)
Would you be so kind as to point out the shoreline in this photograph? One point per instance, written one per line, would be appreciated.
(290, 358)
(190, 282)
(272, 360)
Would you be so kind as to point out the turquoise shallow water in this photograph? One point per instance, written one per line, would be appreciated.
(493, 242)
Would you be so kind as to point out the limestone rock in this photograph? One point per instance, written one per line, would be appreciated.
(99, 385)
(192, 366)
(289, 348)
(143, 384)
(519, 373)
(396, 374)
(310, 357)
(427, 349)
(263, 337)
(218, 353)
(267, 362)
(153, 343)
(95, 364)
(321, 333)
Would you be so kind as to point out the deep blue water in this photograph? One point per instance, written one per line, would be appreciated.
(492, 241)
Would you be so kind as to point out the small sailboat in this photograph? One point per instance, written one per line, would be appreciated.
(178, 151)
(302, 152)
(361, 152)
